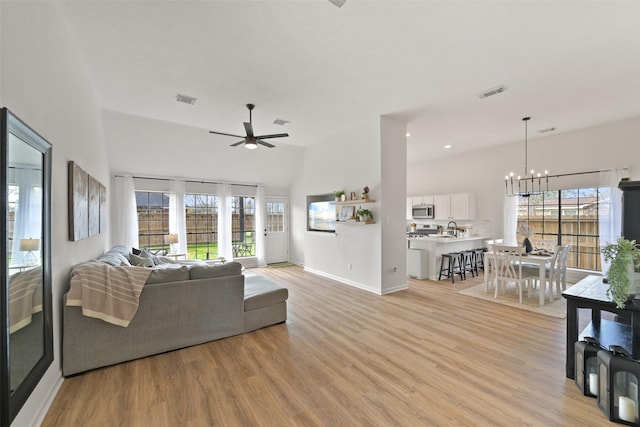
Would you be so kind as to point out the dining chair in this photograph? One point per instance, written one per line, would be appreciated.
(489, 264)
(508, 268)
(552, 275)
(563, 256)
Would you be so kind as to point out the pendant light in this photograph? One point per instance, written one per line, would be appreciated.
(529, 183)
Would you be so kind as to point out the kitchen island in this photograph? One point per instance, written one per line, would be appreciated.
(436, 245)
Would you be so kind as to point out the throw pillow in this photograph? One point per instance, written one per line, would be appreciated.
(136, 251)
(140, 261)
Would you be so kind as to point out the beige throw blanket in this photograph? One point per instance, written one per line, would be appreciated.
(25, 297)
(106, 292)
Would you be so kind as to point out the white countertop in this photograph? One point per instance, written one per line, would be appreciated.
(447, 239)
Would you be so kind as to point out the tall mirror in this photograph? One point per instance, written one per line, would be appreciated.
(27, 334)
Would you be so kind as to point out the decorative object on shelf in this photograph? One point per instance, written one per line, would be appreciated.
(340, 196)
(526, 184)
(347, 213)
(354, 196)
(586, 377)
(623, 255)
(365, 193)
(618, 389)
(364, 215)
(29, 246)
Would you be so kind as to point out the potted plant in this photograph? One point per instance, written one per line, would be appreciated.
(339, 194)
(623, 256)
(364, 215)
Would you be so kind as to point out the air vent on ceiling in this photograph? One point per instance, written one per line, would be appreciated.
(281, 122)
(185, 98)
(338, 3)
(547, 130)
(493, 91)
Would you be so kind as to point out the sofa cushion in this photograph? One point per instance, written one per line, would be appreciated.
(168, 273)
(260, 292)
(122, 250)
(207, 271)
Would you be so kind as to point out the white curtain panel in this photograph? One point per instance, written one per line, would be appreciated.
(225, 248)
(260, 226)
(610, 211)
(177, 215)
(125, 230)
(510, 220)
(28, 214)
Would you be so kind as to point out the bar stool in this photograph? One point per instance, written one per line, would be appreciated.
(454, 266)
(479, 252)
(469, 263)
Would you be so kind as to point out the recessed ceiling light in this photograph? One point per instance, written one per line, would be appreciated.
(407, 134)
(281, 122)
(493, 91)
(551, 129)
(185, 98)
(447, 146)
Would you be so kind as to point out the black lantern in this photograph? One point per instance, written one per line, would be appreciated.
(586, 366)
(618, 391)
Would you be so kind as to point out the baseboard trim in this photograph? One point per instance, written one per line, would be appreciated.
(344, 281)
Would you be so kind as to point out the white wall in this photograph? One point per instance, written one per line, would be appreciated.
(393, 163)
(482, 172)
(44, 83)
(145, 147)
(349, 161)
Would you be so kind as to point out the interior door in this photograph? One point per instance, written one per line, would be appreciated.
(277, 230)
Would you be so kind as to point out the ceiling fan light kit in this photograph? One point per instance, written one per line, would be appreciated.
(251, 141)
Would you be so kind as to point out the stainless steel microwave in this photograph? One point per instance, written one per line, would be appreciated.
(422, 212)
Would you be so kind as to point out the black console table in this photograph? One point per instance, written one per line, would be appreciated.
(592, 293)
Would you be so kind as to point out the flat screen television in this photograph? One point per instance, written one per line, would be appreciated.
(321, 213)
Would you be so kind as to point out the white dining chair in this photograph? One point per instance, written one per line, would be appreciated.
(508, 268)
(563, 256)
(552, 275)
(489, 265)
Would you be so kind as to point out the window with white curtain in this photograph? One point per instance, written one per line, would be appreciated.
(566, 217)
(153, 219)
(202, 226)
(243, 222)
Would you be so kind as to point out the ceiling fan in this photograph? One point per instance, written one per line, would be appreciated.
(251, 141)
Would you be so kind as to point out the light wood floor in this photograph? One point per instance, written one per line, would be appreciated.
(422, 357)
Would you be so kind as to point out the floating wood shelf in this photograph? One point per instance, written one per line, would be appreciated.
(353, 202)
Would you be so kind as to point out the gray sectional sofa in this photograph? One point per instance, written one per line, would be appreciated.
(190, 305)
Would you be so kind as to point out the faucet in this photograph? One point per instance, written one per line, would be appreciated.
(455, 228)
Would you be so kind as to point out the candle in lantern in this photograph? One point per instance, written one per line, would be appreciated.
(593, 384)
(627, 409)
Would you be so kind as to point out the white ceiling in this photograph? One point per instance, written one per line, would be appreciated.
(567, 64)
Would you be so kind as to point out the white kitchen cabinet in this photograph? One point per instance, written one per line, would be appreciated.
(422, 200)
(442, 206)
(459, 206)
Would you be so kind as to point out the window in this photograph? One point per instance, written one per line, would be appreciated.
(243, 233)
(153, 219)
(565, 217)
(275, 217)
(202, 226)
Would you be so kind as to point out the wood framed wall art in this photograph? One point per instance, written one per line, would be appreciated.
(87, 204)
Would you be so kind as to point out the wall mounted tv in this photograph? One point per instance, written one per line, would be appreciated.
(321, 213)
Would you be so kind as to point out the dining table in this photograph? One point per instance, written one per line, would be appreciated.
(538, 259)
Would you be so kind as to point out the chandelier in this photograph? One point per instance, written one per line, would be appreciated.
(530, 183)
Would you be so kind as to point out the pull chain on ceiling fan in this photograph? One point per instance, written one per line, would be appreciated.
(251, 141)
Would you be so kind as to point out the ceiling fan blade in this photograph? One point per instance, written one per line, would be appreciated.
(226, 134)
(275, 135)
(249, 129)
(266, 144)
(237, 143)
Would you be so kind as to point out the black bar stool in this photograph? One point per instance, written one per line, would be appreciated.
(468, 259)
(453, 266)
